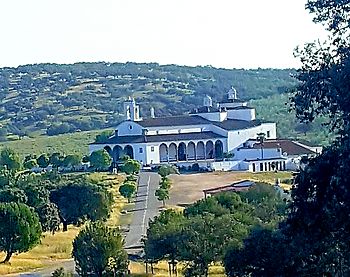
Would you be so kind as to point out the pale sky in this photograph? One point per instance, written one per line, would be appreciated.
(221, 33)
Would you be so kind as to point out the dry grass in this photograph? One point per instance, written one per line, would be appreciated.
(52, 249)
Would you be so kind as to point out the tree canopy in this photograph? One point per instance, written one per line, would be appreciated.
(100, 160)
(79, 201)
(98, 251)
(20, 229)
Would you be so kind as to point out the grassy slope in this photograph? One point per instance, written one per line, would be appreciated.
(77, 143)
(276, 109)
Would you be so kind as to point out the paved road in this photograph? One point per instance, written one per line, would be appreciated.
(47, 272)
(146, 208)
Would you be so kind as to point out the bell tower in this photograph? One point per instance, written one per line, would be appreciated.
(131, 110)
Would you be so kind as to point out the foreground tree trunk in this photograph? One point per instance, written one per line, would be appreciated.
(7, 258)
(65, 226)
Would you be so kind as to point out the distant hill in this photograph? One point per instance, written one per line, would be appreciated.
(54, 98)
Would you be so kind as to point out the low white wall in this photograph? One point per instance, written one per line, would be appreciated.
(229, 165)
(254, 153)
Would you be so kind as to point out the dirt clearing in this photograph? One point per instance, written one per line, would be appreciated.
(187, 188)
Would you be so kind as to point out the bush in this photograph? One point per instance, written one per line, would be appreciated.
(98, 251)
(195, 167)
(56, 129)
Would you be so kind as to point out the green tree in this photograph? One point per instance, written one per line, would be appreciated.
(43, 160)
(218, 205)
(127, 190)
(30, 164)
(317, 225)
(71, 161)
(20, 229)
(10, 159)
(98, 251)
(164, 236)
(205, 239)
(100, 160)
(209, 205)
(165, 183)
(166, 170)
(265, 253)
(270, 203)
(103, 136)
(162, 195)
(323, 77)
(49, 217)
(12, 194)
(56, 159)
(131, 166)
(78, 202)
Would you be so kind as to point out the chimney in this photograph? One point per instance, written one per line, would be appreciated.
(152, 112)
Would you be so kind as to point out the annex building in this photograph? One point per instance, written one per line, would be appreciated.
(221, 137)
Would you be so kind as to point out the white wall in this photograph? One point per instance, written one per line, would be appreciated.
(214, 116)
(129, 128)
(237, 138)
(141, 157)
(242, 114)
(233, 104)
(252, 153)
(229, 165)
(152, 157)
(175, 129)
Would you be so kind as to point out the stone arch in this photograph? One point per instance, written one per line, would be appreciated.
(182, 152)
(209, 150)
(172, 152)
(219, 150)
(191, 151)
(163, 152)
(117, 153)
(200, 150)
(108, 150)
(129, 151)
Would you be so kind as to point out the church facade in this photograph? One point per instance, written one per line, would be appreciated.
(204, 136)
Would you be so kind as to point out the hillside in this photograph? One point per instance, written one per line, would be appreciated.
(276, 108)
(52, 99)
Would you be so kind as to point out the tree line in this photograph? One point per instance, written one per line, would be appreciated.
(57, 99)
(32, 203)
(208, 229)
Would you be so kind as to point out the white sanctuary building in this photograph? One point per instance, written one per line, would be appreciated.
(204, 136)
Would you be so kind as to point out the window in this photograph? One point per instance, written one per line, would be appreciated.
(140, 150)
(268, 134)
(152, 148)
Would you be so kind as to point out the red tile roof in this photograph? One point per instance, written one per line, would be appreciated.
(288, 146)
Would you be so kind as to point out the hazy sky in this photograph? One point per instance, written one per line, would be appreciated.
(221, 33)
